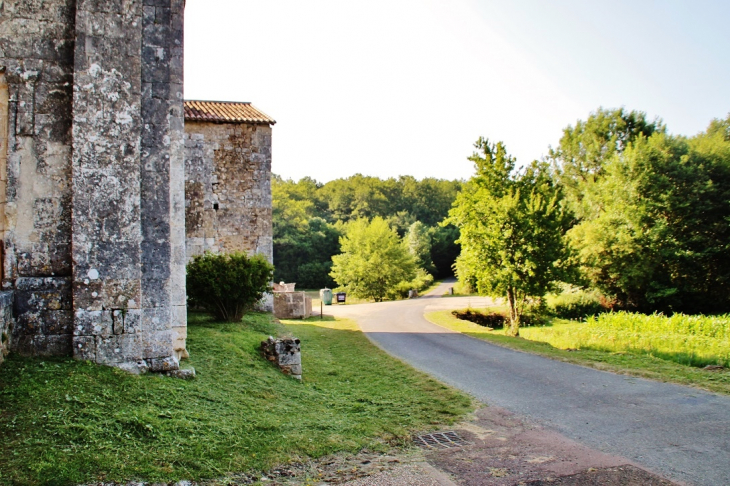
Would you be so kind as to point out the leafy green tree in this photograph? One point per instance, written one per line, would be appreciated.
(303, 245)
(429, 199)
(227, 285)
(360, 197)
(400, 222)
(584, 149)
(660, 237)
(512, 227)
(418, 241)
(444, 249)
(305, 256)
(373, 260)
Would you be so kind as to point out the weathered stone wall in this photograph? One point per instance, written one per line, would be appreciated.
(92, 178)
(128, 231)
(37, 55)
(163, 179)
(228, 188)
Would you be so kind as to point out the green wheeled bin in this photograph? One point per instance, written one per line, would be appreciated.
(326, 295)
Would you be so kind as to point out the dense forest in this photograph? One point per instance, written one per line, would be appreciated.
(631, 212)
(310, 217)
(651, 211)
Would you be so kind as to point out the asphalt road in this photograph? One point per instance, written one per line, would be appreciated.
(679, 432)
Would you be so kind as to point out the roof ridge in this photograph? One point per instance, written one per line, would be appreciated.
(218, 101)
(225, 112)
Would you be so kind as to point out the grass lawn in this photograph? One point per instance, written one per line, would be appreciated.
(533, 340)
(68, 422)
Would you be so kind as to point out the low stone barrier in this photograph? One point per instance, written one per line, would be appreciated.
(6, 323)
(284, 353)
(292, 305)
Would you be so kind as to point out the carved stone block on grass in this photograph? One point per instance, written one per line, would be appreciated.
(284, 353)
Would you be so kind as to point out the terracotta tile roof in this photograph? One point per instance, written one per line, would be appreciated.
(225, 112)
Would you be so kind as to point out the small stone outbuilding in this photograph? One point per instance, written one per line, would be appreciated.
(290, 304)
(227, 179)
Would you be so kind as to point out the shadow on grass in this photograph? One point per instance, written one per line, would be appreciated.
(78, 422)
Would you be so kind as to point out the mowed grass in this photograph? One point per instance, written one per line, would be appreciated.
(619, 346)
(69, 422)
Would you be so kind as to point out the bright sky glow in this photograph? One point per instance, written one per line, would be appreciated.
(405, 87)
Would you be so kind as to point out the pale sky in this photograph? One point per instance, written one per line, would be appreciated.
(405, 87)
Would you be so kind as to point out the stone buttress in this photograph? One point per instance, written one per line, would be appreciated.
(128, 229)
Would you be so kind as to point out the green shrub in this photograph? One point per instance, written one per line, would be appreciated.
(422, 280)
(227, 285)
(576, 305)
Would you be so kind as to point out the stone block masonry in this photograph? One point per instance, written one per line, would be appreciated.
(228, 181)
(228, 188)
(92, 179)
(292, 305)
(128, 224)
(37, 39)
(285, 353)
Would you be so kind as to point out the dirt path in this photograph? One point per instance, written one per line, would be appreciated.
(493, 448)
(504, 449)
(679, 432)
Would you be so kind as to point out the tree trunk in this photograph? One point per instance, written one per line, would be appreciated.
(514, 317)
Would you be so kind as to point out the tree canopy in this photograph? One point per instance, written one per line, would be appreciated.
(619, 205)
(656, 236)
(308, 219)
(584, 149)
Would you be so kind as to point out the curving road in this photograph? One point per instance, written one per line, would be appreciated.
(679, 432)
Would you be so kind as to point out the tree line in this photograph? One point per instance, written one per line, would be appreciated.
(310, 218)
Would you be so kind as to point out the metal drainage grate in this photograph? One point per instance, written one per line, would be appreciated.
(440, 440)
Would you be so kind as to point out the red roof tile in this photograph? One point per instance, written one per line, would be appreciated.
(225, 112)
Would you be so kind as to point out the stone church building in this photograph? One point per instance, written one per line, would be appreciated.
(94, 218)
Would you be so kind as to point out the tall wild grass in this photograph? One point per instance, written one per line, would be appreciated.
(689, 340)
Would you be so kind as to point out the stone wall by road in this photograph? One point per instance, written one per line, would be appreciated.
(228, 188)
(292, 305)
(37, 42)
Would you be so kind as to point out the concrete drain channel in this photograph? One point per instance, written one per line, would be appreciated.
(440, 440)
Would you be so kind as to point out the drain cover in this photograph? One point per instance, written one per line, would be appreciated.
(440, 440)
